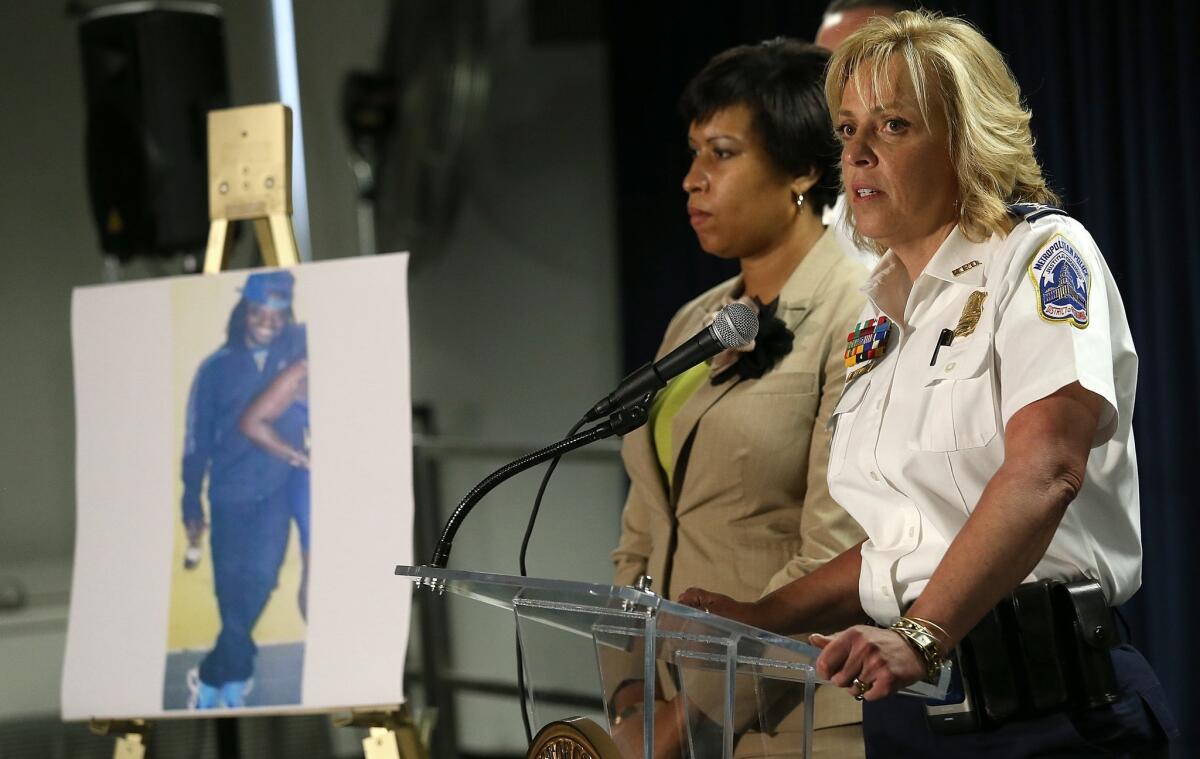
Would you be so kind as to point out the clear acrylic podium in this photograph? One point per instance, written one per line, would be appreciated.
(720, 680)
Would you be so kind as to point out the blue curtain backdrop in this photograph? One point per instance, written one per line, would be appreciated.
(1116, 112)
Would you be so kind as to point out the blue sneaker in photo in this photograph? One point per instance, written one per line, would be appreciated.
(201, 695)
(234, 692)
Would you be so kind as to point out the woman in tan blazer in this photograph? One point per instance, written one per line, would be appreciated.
(728, 478)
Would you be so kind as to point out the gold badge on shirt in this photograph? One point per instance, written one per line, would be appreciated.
(972, 310)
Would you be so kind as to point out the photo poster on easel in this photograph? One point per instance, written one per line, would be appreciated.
(244, 493)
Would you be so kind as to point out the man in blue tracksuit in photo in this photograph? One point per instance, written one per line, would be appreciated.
(247, 487)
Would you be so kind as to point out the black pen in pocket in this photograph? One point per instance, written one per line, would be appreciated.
(945, 338)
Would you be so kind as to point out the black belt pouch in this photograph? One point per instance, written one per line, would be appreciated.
(989, 667)
(1037, 631)
(1082, 608)
(1043, 649)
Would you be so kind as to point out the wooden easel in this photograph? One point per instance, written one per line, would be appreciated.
(131, 734)
(250, 179)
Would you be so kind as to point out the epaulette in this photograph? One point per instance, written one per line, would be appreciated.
(1031, 212)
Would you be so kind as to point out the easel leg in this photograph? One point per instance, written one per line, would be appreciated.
(219, 242)
(131, 736)
(276, 240)
(285, 239)
(130, 747)
(381, 743)
(393, 735)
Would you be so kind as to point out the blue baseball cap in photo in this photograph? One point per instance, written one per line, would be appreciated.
(272, 289)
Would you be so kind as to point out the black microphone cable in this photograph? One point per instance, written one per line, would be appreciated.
(537, 501)
(533, 515)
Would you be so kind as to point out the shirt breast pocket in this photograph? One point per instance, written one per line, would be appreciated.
(842, 421)
(956, 409)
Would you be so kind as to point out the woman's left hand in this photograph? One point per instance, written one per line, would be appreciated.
(880, 660)
(746, 612)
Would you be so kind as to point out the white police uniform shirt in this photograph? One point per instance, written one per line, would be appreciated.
(914, 445)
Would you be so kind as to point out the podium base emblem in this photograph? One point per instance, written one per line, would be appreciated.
(577, 738)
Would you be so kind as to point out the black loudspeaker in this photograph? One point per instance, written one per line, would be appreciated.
(152, 72)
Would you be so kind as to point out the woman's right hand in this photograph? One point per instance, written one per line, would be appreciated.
(746, 612)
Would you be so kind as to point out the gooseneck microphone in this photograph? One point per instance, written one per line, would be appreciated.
(734, 326)
(625, 408)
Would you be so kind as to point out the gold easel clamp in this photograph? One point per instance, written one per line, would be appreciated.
(250, 179)
(130, 734)
(393, 734)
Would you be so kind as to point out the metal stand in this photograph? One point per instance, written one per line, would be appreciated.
(250, 179)
(392, 734)
(130, 734)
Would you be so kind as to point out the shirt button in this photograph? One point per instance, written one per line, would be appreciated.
(878, 405)
(950, 366)
(874, 476)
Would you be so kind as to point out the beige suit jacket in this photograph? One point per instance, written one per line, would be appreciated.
(750, 510)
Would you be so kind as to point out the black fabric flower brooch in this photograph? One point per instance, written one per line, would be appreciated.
(774, 341)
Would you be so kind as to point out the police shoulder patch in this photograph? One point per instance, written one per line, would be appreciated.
(1062, 281)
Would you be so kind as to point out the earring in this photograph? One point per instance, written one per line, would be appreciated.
(799, 200)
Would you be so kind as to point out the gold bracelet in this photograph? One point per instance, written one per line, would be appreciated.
(936, 627)
(925, 643)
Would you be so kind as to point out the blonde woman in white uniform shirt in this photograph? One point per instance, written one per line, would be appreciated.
(983, 440)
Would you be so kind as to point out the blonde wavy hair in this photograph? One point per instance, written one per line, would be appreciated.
(991, 146)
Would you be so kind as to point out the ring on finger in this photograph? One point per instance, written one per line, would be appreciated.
(861, 688)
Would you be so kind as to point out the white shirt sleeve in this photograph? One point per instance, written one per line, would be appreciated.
(1054, 320)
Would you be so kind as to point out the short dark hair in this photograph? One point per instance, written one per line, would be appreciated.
(895, 6)
(781, 81)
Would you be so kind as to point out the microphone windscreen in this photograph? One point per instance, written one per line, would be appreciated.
(735, 325)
